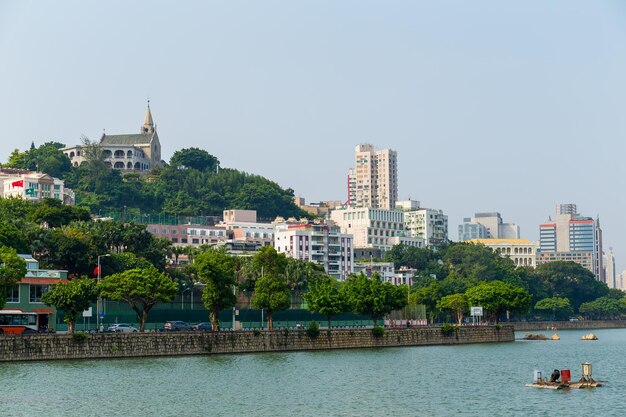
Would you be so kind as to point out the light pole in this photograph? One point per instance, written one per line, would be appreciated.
(99, 300)
(182, 297)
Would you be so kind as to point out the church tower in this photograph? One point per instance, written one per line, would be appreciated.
(148, 124)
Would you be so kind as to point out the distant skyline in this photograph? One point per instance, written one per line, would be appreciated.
(492, 106)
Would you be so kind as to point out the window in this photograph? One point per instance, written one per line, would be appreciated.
(13, 294)
(36, 291)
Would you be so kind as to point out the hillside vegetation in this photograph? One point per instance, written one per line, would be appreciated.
(191, 184)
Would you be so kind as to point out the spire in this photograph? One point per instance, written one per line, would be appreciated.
(148, 124)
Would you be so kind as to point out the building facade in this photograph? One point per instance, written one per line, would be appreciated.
(487, 226)
(139, 152)
(34, 186)
(371, 228)
(431, 225)
(320, 243)
(26, 295)
(522, 252)
(572, 237)
(373, 182)
(386, 271)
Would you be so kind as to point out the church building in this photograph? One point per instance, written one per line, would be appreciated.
(138, 152)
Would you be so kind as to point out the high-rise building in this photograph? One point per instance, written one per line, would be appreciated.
(609, 269)
(321, 243)
(373, 182)
(572, 237)
(374, 228)
(431, 225)
(487, 226)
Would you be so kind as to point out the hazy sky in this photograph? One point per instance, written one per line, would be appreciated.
(491, 105)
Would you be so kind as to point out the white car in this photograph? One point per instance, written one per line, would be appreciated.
(122, 328)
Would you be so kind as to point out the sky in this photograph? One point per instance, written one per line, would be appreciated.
(492, 106)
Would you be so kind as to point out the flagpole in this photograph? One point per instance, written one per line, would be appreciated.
(99, 300)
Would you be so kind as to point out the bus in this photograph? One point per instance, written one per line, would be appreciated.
(18, 322)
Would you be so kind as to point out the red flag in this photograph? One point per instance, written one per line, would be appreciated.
(19, 183)
(96, 271)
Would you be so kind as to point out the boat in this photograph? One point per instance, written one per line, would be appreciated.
(561, 380)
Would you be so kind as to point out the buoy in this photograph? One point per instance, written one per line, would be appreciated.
(555, 337)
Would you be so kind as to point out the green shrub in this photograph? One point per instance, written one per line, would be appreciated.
(447, 329)
(286, 332)
(257, 332)
(79, 336)
(498, 326)
(378, 331)
(313, 329)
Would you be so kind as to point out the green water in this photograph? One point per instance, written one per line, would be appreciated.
(470, 380)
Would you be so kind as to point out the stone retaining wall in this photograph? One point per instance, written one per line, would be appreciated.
(121, 345)
(573, 325)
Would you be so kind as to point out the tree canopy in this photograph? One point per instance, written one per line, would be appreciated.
(12, 270)
(371, 297)
(73, 297)
(215, 269)
(271, 294)
(142, 289)
(497, 297)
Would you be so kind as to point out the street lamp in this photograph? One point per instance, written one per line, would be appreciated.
(99, 300)
(182, 297)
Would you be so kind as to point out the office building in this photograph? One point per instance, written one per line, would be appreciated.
(487, 226)
(572, 237)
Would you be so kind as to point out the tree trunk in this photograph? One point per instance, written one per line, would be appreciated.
(328, 322)
(270, 322)
(214, 318)
(142, 320)
(71, 326)
(375, 320)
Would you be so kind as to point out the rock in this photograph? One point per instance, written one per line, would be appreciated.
(531, 336)
(589, 336)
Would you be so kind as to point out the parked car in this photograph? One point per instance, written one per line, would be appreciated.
(205, 327)
(122, 328)
(177, 326)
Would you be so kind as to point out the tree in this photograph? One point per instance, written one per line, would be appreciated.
(141, 289)
(428, 296)
(73, 297)
(371, 297)
(325, 297)
(298, 274)
(560, 307)
(215, 268)
(456, 303)
(12, 270)
(602, 307)
(271, 294)
(194, 158)
(570, 280)
(496, 297)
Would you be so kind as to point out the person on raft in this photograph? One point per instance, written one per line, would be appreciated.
(555, 376)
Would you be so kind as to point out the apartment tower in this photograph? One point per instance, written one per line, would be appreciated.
(373, 182)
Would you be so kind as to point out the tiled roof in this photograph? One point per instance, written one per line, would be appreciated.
(136, 139)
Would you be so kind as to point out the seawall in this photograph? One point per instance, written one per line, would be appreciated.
(570, 325)
(123, 345)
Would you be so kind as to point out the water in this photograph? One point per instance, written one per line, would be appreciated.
(470, 380)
